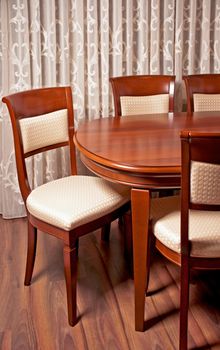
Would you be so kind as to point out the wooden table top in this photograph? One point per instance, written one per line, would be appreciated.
(143, 146)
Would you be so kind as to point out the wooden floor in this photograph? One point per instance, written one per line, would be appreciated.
(35, 317)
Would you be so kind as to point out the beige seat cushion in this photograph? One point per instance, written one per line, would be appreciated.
(206, 102)
(204, 227)
(133, 105)
(76, 200)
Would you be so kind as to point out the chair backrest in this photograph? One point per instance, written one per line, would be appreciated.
(203, 92)
(200, 176)
(42, 119)
(143, 94)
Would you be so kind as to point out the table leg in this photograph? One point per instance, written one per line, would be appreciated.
(140, 204)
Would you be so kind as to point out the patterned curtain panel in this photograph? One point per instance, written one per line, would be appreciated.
(84, 42)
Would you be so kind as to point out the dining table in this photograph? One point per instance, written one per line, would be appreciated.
(144, 152)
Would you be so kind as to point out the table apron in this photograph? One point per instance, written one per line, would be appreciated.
(139, 180)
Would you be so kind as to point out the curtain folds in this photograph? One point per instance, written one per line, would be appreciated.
(82, 44)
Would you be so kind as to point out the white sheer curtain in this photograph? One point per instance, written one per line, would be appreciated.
(82, 43)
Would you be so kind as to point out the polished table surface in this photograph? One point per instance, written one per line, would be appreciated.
(137, 149)
(143, 151)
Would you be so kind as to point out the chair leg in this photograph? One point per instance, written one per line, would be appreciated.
(128, 242)
(128, 235)
(70, 268)
(184, 304)
(105, 232)
(31, 253)
(77, 247)
(120, 221)
(149, 245)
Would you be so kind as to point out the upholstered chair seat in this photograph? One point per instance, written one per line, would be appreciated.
(72, 201)
(204, 227)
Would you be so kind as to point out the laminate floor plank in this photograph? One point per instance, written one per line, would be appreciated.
(35, 317)
(204, 309)
(124, 293)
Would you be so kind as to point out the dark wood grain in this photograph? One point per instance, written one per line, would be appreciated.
(35, 317)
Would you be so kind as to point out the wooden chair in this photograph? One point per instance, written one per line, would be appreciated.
(143, 94)
(203, 92)
(66, 208)
(195, 245)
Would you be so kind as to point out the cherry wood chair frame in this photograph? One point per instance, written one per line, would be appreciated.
(200, 84)
(33, 103)
(142, 85)
(200, 147)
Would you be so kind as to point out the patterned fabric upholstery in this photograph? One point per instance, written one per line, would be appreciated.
(204, 227)
(206, 102)
(44, 130)
(205, 183)
(132, 105)
(76, 200)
